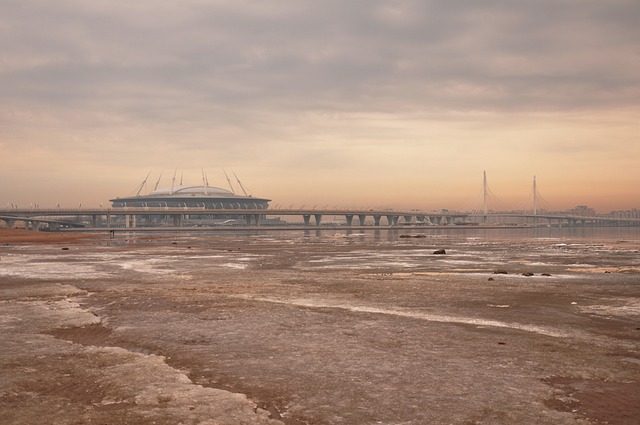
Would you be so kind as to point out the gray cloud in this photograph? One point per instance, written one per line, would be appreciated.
(224, 82)
(355, 56)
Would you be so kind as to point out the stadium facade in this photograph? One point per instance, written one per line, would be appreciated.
(204, 196)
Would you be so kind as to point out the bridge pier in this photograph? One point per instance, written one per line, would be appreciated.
(148, 220)
(253, 218)
(349, 218)
(392, 220)
(362, 218)
(307, 219)
(376, 220)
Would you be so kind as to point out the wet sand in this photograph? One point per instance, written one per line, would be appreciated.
(320, 330)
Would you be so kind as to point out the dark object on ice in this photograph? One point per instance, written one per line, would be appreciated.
(65, 249)
(500, 272)
(491, 279)
(439, 252)
(174, 243)
(545, 274)
(413, 236)
(527, 274)
(502, 343)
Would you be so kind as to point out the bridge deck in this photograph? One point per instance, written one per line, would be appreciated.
(65, 217)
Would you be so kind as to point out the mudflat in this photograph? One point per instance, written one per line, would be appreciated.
(346, 328)
(16, 236)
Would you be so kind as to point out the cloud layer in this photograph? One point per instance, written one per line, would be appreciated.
(393, 93)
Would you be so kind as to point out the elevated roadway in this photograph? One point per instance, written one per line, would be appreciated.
(178, 216)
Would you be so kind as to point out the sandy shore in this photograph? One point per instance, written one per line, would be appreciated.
(328, 330)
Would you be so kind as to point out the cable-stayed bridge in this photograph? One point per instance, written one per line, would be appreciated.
(489, 203)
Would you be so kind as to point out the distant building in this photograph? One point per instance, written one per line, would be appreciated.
(582, 210)
(633, 213)
(207, 197)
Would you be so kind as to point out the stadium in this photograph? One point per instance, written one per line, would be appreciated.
(204, 196)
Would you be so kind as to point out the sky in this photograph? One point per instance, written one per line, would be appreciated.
(333, 103)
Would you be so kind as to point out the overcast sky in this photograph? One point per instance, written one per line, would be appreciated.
(331, 103)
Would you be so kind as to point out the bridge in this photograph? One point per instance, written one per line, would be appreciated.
(189, 217)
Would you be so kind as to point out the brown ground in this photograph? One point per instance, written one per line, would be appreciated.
(13, 236)
(181, 342)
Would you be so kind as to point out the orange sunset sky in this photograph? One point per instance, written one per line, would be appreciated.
(394, 104)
